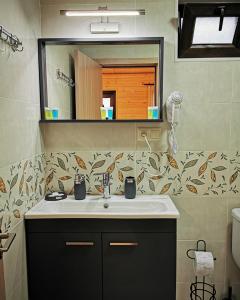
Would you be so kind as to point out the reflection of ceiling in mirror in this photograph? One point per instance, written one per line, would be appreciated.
(120, 51)
(114, 54)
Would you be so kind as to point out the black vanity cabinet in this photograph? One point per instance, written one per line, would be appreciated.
(64, 266)
(101, 259)
(138, 266)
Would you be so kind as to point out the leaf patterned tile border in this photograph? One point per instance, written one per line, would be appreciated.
(62, 167)
(201, 173)
(204, 173)
(22, 185)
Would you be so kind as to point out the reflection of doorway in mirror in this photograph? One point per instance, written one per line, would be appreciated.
(135, 90)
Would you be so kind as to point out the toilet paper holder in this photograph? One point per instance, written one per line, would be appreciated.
(200, 289)
(201, 246)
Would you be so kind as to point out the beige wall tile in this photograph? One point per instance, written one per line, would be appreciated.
(190, 131)
(235, 125)
(217, 130)
(209, 129)
(63, 137)
(219, 79)
(19, 85)
(202, 218)
(191, 79)
(150, 24)
(19, 140)
(236, 86)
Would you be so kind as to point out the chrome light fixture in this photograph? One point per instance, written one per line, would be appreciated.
(102, 12)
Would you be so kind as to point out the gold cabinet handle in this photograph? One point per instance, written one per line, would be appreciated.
(9, 237)
(123, 244)
(80, 244)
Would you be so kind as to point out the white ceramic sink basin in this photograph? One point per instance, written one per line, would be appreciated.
(117, 207)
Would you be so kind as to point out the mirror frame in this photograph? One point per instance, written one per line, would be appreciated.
(43, 42)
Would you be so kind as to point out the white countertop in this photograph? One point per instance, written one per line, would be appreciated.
(117, 207)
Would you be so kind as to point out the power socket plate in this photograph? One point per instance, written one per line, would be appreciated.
(152, 133)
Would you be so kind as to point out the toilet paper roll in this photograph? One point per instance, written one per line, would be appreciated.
(204, 263)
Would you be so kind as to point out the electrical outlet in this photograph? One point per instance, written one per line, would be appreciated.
(141, 132)
(152, 133)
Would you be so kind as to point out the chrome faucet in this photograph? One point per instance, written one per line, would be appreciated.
(105, 184)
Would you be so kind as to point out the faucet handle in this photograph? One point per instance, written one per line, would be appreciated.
(105, 177)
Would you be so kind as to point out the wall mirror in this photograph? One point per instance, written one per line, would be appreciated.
(107, 80)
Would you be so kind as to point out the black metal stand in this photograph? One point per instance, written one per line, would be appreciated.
(200, 289)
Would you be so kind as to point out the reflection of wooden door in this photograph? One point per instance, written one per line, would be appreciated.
(88, 80)
(135, 90)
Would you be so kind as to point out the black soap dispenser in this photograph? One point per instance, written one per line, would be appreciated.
(130, 187)
(79, 187)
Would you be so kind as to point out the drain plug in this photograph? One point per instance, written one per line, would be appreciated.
(106, 205)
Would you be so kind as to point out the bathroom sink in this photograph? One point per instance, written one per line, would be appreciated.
(117, 207)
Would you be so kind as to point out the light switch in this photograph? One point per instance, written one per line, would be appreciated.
(155, 134)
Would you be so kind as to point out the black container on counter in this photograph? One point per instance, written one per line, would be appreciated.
(130, 188)
(79, 187)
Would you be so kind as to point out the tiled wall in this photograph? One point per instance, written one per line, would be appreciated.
(22, 185)
(203, 180)
(20, 146)
(21, 160)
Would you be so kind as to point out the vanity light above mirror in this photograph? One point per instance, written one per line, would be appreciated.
(102, 12)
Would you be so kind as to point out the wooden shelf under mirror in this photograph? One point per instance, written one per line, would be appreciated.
(104, 80)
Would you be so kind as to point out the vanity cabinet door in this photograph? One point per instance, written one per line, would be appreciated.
(139, 266)
(64, 266)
